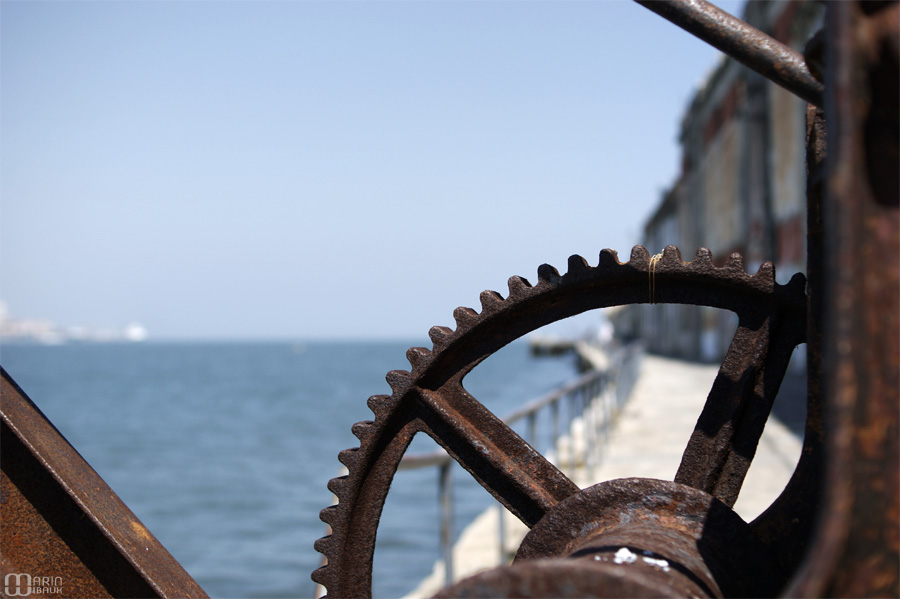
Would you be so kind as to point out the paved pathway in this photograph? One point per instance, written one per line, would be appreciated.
(647, 440)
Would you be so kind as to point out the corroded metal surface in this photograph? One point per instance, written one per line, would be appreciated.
(704, 546)
(431, 397)
(857, 300)
(63, 528)
(560, 578)
(746, 44)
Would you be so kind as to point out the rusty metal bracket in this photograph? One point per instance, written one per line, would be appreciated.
(64, 526)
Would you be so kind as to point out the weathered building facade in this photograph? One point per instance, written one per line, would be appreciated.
(742, 186)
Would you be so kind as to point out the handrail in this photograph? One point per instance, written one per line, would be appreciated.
(438, 457)
(612, 385)
(535, 405)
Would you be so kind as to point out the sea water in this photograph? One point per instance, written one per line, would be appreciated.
(223, 450)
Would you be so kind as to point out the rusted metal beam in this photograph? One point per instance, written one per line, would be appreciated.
(65, 533)
(746, 44)
(856, 549)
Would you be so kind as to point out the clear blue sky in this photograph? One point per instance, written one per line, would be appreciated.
(323, 169)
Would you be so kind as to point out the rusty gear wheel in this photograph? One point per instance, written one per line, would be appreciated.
(431, 398)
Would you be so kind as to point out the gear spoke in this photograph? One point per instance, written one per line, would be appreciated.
(724, 441)
(490, 451)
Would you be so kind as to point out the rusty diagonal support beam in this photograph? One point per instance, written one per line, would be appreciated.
(744, 43)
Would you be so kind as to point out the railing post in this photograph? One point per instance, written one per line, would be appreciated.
(532, 430)
(570, 455)
(501, 532)
(589, 432)
(554, 414)
(445, 489)
(610, 391)
(597, 423)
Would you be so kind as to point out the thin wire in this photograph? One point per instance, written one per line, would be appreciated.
(651, 271)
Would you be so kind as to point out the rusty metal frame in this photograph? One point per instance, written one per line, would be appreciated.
(63, 526)
(854, 270)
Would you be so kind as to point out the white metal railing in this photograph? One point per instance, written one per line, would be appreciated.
(569, 425)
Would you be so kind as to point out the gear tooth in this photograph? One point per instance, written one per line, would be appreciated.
(337, 485)
(547, 274)
(349, 457)
(797, 282)
(608, 258)
(440, 336)
(320, 576)
(324, 545)
(766, 271)
(418, 357)
(490, 300)
(399, 380)
(380, 403)
(703, 257)
(735, 262)
(362, 430)
(518, 286)
(383, 405)
(639, 256)
(329, 515)
(464, 317)
(671, 255)
(577, 265)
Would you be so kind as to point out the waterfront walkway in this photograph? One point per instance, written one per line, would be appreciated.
(647, 440)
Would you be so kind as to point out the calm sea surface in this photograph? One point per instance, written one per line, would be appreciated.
(224, 449)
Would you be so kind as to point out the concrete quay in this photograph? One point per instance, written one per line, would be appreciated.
(647, 440)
